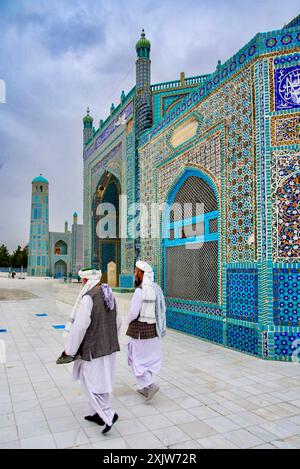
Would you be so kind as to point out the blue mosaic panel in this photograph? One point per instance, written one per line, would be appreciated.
(242, 338)
(205, 328)
(286, 297)
(287, 88)
(193, 307)
(126, 281)
(242, 294)
(285, 344)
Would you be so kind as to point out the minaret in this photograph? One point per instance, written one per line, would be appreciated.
(38, 259)
(143, 85)
(143, 108)
(76, 237)
(87, 127)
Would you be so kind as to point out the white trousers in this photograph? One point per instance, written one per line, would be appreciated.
(145, 359)
(145, 380)
(99, 403)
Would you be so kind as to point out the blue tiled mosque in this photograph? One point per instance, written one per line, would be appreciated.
(229, 140)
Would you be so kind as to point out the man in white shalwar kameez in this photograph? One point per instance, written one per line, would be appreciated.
(93, 337)
(147, 324)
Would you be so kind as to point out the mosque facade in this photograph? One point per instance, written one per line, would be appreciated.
(228, 141)
(54, 254)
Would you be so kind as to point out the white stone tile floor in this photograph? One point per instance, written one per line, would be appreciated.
(210, 397)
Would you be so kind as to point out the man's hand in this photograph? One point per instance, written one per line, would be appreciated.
(64, 359)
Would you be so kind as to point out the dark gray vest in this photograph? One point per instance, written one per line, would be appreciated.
(101, 337)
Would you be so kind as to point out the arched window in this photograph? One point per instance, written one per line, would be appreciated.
(191, 240)
(61, 248)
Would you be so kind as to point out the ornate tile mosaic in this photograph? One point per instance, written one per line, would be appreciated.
(286, 343)
(286, 208)
(285, 130)
(242, 294)
(205, 328)
(287, 297)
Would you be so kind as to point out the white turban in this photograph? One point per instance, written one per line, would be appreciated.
(146, 268)
(148, 292)
(93, 276)
(90, 274)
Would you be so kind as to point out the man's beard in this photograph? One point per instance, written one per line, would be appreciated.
(137, 282)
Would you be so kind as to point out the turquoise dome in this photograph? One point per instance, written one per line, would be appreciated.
(40, 178)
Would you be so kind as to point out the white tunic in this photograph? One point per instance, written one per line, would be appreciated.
(99, 374)
(144, 355)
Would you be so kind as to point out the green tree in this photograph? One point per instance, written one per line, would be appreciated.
(4, 256)
(17, 257)
(25, 256)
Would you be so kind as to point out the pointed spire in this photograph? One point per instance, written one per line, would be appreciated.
(88, 117)
(143, 44)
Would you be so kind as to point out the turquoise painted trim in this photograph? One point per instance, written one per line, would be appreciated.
(214, 317)
(192, 220)
(195, 240)
(189, 171)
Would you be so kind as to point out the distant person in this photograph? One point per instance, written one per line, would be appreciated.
(13, 274)
(92, 340)
(146, 325)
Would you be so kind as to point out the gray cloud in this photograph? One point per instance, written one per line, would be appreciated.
(58, 57)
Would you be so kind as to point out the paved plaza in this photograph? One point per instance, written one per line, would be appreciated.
(210, 397)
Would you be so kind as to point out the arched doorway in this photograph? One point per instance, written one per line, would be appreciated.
(60, 269)
(61, 248)
(106, 249)
(191, 240)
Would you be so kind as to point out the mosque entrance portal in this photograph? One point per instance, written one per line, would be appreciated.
(106, 247)
(60, 269)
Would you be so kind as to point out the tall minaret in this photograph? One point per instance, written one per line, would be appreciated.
(143, 85)
(87, 127)
(143, 108)
(38, 259)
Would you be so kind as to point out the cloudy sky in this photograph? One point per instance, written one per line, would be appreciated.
(58, 57)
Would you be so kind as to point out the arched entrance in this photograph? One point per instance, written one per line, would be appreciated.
(60, 269)
(106, 249)
(191, 240)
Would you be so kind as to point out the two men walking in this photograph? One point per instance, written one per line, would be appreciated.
(92, 339)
